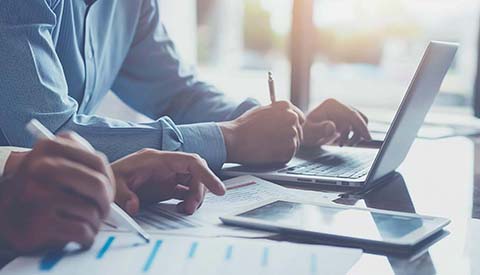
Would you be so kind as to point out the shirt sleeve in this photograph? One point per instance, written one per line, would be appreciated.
(156, 82)
(5, 153)
(33, 85)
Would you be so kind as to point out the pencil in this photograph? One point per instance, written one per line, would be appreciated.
(271, 87)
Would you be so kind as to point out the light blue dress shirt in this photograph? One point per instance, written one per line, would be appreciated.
(58, 59)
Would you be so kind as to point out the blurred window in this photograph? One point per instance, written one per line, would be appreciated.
(366, 51)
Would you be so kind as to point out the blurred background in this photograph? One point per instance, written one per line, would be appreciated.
(362, 52)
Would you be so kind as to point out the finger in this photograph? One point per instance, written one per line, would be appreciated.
(183, 179)
(79, 209)
(299, 129)
(329, 140)
(180, 192)
(320, 133)
(82, 180)
(127, 199)
(354, 140)
(101, 162)
(301, 115)
(359, 125)
(201, 173)
(77, 138)
(68, 230)
(364, 117)
(324, 129)
(194, 197)
(67, 149)
(344, 136)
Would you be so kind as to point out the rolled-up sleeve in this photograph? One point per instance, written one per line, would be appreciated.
(33, 85)
(152, 80)
(156, 82)
(4, 154)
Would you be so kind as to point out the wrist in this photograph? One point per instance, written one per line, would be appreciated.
(229, 136)
(13, 162)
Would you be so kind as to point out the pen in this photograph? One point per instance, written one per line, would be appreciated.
(118, 216)
(271, 87)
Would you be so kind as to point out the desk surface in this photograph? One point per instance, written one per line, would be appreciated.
(438, 178)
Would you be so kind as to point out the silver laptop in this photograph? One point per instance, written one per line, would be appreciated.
(362, 167)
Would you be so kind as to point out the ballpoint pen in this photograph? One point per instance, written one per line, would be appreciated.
(271, 87)
(117, 215)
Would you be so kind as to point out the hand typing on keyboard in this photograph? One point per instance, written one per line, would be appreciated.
(334, 122)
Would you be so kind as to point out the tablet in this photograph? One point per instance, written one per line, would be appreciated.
(348, 224)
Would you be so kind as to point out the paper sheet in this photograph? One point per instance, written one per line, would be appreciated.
(242, 192)
(121, 253)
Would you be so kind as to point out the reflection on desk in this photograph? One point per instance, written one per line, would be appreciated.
(438, 178)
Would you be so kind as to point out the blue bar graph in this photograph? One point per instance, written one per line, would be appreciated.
(313, 264)
(105, 247)
(51, 259)
(228, 253)
(152, 255)
(193, 249)
(265, 256)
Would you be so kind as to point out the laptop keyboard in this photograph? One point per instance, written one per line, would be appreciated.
(353, 166)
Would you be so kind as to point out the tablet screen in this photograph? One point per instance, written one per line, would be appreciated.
(355, 223)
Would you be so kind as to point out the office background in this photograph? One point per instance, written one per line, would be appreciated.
(363, 52)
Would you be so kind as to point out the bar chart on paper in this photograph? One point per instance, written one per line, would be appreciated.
(122, 254)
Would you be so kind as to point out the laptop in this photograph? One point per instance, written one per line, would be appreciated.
(363, 167)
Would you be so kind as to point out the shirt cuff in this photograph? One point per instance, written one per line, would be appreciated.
(206, 140)
(5, 153)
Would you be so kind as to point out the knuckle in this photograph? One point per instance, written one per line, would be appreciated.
(195, 157)
(292, 133)
(103, 200)
(283, 104)
(41, 165)
(95, 215)
(45, 145)
(147, 151)
(69, 135)
(102, 157)
(100, 181)
(291, 117)
(99, 161)
(331, 101)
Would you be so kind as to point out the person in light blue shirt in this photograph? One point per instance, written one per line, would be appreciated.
(58, 59)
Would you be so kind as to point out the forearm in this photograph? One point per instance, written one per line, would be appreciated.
(119, 138)
(201, 102)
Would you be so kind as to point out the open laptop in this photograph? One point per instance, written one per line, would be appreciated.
(362, 167)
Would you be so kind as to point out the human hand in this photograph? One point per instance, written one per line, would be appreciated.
(60, 193)
(264, 135)
(333, 122)
(150, 176)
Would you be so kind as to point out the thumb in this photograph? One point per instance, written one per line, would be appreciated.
(127, 199)
(320, 133)
(325, 129)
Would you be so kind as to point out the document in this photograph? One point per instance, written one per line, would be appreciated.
(122, 253)
(242, 192)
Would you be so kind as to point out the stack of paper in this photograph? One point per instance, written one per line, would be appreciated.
(121, 253)
(242, 192)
